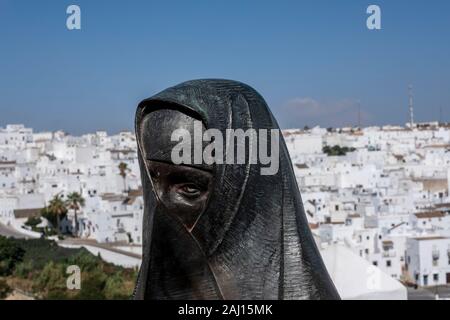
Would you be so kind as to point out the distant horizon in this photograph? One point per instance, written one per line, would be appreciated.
(405, 125)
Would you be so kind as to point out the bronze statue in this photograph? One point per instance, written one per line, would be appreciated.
(220, 231)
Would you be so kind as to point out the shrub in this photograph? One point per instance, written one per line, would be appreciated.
(92, 286)
(85, 260)
(115, 288)
(24, 269)
(33, 221)
(52, 278)
(10, 254)
(337, 150)
(44, 264)
(5, 290)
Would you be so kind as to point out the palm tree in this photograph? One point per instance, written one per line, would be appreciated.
(75, 201)
(123, 169)
(57, 207)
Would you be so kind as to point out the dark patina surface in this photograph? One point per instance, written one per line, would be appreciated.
(244, 235)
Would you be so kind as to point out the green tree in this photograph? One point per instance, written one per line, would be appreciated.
(92, 286)
(115, 288)
(24, 269)
(75, 202)
(51, 279)
(5, 290)
(33, 222)
(337, 150)
(58, 208)
(10, 254)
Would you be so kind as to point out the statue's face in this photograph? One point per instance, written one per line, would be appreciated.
(181, 190)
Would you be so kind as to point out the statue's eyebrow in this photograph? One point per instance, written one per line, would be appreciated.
(196, 167)
(200, 178)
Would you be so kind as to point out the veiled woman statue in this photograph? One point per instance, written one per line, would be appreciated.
(220, 231)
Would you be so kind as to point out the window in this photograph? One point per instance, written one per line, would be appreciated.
(436, 277)
(435, 262)
(366, 251)
(375, 263)
(388, 263)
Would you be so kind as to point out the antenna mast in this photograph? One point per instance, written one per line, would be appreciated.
(411, 106)
(359, 114)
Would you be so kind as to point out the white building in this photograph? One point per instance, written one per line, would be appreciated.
(35, 167)
(376, 194)
(389, 185)
(428, 260)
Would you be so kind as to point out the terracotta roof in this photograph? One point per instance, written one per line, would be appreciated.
(430, 214)
(27, 213)
(442, 205)
(125, 151)
(430, 238)
(8, 162)
(433, 184)
(313, 226)
(113, 197)
(136, 193)
(437, 146)
(133, 195)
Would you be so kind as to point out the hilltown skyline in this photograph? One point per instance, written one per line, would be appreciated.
(3, 124)
(377, 199)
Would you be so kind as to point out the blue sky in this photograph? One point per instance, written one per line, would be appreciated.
(312, 60)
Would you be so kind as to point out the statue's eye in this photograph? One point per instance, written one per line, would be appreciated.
(190, 190)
